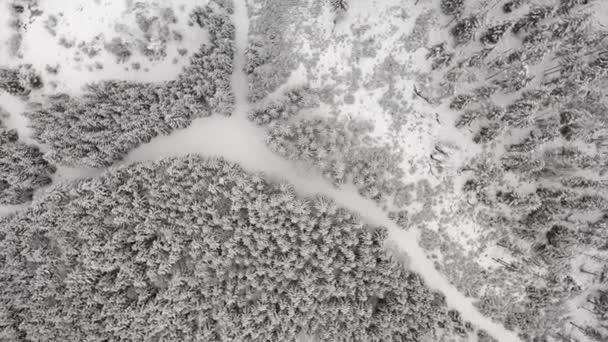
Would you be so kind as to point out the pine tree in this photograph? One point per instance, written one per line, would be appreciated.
(146, 252)
(113, 117)
(23, 169)
(452, 7)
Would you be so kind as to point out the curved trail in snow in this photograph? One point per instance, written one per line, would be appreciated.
(240, 141)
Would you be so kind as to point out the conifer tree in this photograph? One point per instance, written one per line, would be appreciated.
(113, 117)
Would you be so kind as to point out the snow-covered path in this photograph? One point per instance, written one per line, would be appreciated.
(238, 140)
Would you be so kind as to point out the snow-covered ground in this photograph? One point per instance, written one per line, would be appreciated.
(86, 27)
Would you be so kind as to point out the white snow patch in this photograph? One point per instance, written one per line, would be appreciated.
(238, 140)
(85, 21)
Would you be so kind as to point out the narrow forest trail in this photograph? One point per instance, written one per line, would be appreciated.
(238, 140)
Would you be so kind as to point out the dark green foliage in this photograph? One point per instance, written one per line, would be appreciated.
(344, 152)
(22, 169)
(198, 250)
(113, 117)
(464, 30)
(494, 33)
(452, 7)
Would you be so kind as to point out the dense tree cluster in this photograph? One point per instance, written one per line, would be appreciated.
(208, 77)
(512, 5)
(22, 168)
(290, 104)
(269, 58)
(191, 249)
(544, 186)
(20, 81)
(464, 29)
(113, 117)
(343, 150)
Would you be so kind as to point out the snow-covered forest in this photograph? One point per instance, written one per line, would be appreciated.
(304, 170)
